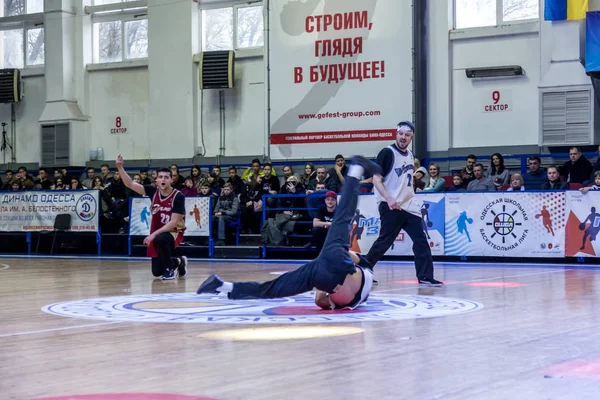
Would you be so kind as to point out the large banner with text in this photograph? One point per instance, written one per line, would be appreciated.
(510, 224)
(583, 224)
(366, 225)
(197, 216)
(340, 72)
(33, 211)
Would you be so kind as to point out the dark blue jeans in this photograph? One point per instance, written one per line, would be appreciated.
(327, 271)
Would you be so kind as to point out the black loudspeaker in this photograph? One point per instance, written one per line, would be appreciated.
(11, 88)
(216, 69)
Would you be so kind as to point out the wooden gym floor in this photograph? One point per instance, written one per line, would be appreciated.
(532, 332)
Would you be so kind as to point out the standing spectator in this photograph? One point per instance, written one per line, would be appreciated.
(91, 173)
(480, 183)
(226, 210)
(498, 173)
(554, 182)
(323, 220)
(105, 174)
(338, 172)
(398, 209)
(468, 173)
(578, 169)
(536, 176)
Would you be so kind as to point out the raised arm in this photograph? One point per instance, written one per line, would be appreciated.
(136, 187)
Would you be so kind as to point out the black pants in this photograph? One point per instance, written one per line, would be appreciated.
(392, 221)
(165, 245)
(318, 238)
(327, 271)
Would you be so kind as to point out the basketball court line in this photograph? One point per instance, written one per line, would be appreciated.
(64, 328)
(4, 266)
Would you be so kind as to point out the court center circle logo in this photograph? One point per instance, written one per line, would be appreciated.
(217, 309)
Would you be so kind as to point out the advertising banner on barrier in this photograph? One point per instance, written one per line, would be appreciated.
(366, 225)
(333, 79)
(36, 210)
(511, 224)
(583, 224)
(197, 214)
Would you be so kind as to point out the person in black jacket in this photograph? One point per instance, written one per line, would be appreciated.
(578, 169)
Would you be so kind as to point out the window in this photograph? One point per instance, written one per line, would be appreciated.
(22, 47)
(122, 39)
(35, 46)
(481, 13)
(232, 28)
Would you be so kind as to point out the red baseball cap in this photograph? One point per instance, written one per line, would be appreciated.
(331, 193)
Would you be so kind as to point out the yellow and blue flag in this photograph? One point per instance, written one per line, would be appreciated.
(562, 10)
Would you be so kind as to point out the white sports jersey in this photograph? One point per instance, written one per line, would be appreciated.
(400, 179)
(365, 289)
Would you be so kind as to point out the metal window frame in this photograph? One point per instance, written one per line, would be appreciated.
(132, 14)
(234, 6)
(500, 22)
(25, 45)
(23, 22)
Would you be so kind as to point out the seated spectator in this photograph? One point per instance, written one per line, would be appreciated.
(309, 174)
(42, 182)
(536, 176)
(283, 223)
(578, 169)
(16, 185)
(315, 199)
(137, 178)
(480, 183)
(517, 183)
(252, 170)
(498, 173)
(595, 186)
(596, 166)
(554, 182)
(458, 184)
(338, 172)
(59, 185)
(91, 173)
(226, 210)
(144, 177)
(118, 195)
(154, 175)
(196, 176)
(8, 179)
(189, 190)
(323, 220)
(421, 174)
(216, 171)
(321, 176)
(235, 180)
(467, 172)
(205, 190)
(213, 182)
(252, 205)
(76, 185)
(418, 184)
(435, 182)
(178, 181)
(270, 182)
(287, 172)
(27, 182)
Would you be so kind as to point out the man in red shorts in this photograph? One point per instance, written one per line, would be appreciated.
(167, 225)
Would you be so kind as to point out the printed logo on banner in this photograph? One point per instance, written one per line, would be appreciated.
(583, 224)
(86, 207)
(505, 224)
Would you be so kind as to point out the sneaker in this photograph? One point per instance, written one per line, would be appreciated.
(370, 167)
(210, 285)
(168, 275)
(375, 282)
(182, 267)
(430, 282)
